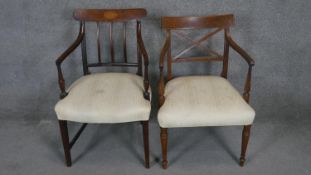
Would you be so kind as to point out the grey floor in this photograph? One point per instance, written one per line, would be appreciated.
(276, 147)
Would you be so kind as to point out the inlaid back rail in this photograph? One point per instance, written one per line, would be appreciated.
(109, 16)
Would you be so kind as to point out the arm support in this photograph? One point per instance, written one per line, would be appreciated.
(143, 52)
(161, 84)
(63, 56)
(248, 59)
(239, 50)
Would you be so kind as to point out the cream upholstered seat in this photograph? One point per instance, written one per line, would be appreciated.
(203, 101)
(105, 98)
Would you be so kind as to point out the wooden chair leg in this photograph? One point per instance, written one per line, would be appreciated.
(245, 138)
(164, 137)
(145, 125)
(65, 138)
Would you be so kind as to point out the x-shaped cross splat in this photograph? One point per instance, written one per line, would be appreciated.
(196, 43)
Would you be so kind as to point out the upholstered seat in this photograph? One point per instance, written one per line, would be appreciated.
(203, 101)
(105, 98)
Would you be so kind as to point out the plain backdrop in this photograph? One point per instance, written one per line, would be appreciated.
(276, 33)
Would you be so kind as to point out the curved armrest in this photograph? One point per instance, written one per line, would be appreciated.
(63, 56)
(239, 50)
(248, 59)
(161, 84)
(144, 53)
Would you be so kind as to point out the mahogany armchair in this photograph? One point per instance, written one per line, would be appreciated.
(105, 97)
(197, 101)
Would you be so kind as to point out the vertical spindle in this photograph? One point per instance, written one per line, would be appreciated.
(124, 42)
(111, 43)
(83, 51)
(226, 56)
(169, 57)
(139, 56)
(98, 43)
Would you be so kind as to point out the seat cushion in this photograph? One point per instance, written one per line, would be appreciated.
(105, 98)
(203, 101)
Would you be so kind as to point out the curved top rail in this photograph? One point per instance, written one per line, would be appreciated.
(109, 15)
(197, 22)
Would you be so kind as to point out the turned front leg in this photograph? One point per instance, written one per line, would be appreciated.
(245, 139)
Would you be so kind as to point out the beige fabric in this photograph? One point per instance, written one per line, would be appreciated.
(105, 98)
(203, 101)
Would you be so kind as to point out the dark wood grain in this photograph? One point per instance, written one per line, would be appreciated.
(144, 54)
(197, 22)
(110, 16)
(247, 86)
(98, 43)
(238, 49)
(164, 138)
(245, 139)
(67, 144)
(198, 42)
(98, 16)
(124, 42)
(111, 43)
(194, 43)
(161, 83)
(65, 139)
(197, 59)
(145, 125)
(113, 64)
(63, 56)
(84, 55)
(224, 72)
(76, 137)
(139, 53)
(221, 23)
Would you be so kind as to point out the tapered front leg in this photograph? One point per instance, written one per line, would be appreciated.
(65, 138)
(164, 137)
(145, 125)
(245, 139)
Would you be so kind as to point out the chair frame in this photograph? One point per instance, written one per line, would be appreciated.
(221, 22)
(108, 16)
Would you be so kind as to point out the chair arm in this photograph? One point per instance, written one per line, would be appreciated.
(248, 59)
(144, 53)
(63, 56)
(239, 50)
(247, 85)
(161, 83)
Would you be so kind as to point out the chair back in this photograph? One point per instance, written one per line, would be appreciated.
(176, 25)
(111, 16)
